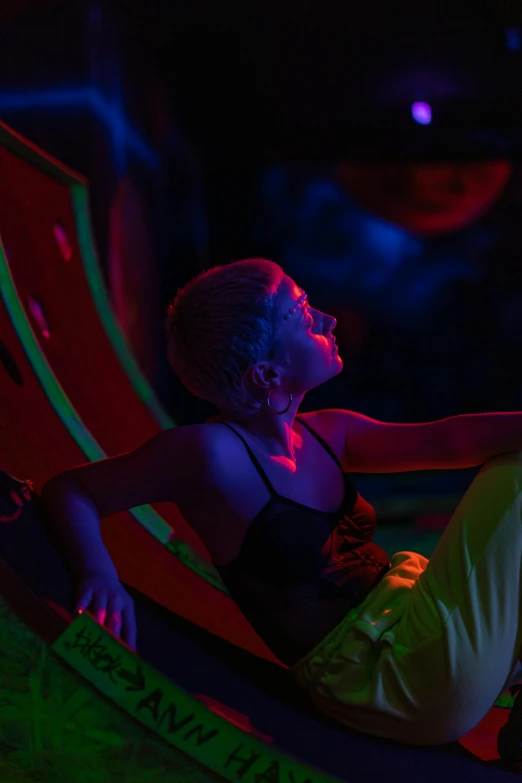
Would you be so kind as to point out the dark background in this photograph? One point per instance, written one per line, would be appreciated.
(216, 131)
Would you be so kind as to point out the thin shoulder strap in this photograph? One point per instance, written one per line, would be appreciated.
(321, 441)
(254, 460)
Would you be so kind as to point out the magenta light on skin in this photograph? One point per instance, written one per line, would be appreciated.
(421, 112)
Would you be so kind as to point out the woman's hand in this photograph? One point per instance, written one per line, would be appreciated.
(105, 598)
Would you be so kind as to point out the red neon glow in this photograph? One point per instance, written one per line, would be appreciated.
(232, 716)
(427, 198)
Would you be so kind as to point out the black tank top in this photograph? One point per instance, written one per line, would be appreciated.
(299, 570)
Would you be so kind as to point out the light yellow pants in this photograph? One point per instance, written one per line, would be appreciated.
(429, 650)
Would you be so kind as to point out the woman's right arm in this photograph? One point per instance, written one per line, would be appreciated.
(73, 521)
(170, 467)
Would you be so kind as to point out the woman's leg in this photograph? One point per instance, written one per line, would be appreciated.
(461, 632)
(429, 650)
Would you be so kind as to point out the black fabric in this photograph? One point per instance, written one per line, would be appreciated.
(301, 570)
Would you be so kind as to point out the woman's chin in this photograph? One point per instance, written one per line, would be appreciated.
(337, 361)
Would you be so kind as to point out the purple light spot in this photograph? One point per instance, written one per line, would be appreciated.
(513, 39)
(38, 315)
(62, 241)
(421, 112)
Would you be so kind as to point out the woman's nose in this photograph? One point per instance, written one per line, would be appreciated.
(330, 322)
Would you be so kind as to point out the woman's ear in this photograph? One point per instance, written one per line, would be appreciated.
(262, 375)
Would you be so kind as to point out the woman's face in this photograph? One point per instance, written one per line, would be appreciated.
(307, 343)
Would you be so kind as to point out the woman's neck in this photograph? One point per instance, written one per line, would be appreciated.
(274, 433)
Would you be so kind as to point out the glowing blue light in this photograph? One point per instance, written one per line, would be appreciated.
(124, 137)
(513, 41)
(421, 112)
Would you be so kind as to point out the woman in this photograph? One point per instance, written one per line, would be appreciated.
(406, 649)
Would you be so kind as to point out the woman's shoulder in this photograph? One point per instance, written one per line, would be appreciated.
(220, 447)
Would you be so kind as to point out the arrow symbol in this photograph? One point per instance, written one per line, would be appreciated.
(136, 680)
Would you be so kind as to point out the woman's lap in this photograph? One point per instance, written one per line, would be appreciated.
(429, 650)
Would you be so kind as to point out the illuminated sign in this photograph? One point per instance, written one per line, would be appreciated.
(178, 717)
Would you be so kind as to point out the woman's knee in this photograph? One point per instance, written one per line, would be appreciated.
(511, 458)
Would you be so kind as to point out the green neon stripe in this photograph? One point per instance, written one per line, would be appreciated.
(79, 196)
(101, 299)
(53, 389)
(56, 395)
(191, 559)
(96, 282)
(144, 515)
(180, 719)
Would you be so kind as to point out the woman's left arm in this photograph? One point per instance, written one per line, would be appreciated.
(463, 441)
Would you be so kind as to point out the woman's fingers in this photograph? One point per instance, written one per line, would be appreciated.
(121, 619)
(113, 621)
(129, 630)
(98, 606)
(83, 601)
(111, 608)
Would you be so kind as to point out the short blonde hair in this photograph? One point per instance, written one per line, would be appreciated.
(220, 325)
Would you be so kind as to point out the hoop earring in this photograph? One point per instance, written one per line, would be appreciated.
(273, 409)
